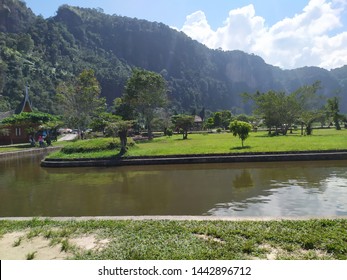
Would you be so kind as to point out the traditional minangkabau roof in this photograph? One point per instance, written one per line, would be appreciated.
(25, 105)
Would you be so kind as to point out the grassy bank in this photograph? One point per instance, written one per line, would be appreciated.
(14, 148)
(324, 139)
(27, 146)
(311, 239)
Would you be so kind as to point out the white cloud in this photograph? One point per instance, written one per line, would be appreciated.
(303, 40)
(197, 24)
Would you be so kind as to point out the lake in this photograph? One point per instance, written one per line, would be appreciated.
(279, 189)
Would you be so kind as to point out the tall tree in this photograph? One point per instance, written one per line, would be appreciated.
(310, 107)
(80, 101)
(119, 128)
(222, 119)
(146, 92)
(333, 111)
(184, 123)
(281, 110)
(274, 108)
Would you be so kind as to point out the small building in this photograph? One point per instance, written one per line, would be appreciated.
(198, 123)
(16, 134)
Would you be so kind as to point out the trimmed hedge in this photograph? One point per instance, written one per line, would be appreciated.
(92, 145)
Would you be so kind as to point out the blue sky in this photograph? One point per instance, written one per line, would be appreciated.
(286, 33)
(174, 12)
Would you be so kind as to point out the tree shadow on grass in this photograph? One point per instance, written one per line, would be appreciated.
(119, 155)
(240, 148)
(181, 139)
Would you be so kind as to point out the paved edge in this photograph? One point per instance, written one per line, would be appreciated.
(174, 218)
(28, 152)
(191, 159)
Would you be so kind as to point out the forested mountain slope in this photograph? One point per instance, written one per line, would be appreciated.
(43, 52)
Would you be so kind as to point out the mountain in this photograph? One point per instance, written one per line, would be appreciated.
(15, 16)
(43, 52)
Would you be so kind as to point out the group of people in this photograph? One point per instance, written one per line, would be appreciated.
(41, 139)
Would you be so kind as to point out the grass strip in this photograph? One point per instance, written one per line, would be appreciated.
(314, 239)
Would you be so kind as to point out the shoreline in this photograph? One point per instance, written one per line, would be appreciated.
(28, 152)
(175, 218)
(198, 159)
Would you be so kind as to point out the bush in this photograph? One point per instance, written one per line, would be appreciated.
(93, 145)
(241, 129)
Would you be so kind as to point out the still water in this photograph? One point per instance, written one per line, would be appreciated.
(291, 189)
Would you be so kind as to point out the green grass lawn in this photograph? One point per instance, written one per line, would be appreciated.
(191, 240)
(257, 142)
(322, 139)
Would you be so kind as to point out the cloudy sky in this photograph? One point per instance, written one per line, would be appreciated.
(285, 33)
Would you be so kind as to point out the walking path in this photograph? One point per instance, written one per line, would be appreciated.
(68, 137)
(35, 150)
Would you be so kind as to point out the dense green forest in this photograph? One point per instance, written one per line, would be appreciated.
(41, 53)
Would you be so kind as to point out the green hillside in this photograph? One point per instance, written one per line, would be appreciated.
(43, 52)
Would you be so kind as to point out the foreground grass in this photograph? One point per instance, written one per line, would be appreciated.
(185, 240)
(321, 140)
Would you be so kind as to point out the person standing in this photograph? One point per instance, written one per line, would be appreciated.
(40, 139)
(32, 141)
(48, 140)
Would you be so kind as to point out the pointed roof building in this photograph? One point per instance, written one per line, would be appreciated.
(25, 105)
(15, 134)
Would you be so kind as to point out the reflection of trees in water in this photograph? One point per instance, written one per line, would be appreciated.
(23, 171)
(306, 175)
(243, 180)
(176, 190)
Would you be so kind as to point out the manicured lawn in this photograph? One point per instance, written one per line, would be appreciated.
(257, 142)
(322, 139)
(205, 240)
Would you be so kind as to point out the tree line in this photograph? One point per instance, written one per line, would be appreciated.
(145, 106)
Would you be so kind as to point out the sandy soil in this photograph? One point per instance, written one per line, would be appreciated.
(17, 246)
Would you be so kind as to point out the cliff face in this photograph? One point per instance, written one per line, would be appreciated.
(78, 38)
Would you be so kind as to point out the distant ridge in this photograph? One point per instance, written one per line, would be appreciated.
(44, 52)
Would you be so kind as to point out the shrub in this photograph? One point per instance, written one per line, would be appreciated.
(169, 132)
(92, 145)
(241, 129)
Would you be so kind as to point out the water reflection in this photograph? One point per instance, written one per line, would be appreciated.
(243, 180)
(237, 189)
(323, 196)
